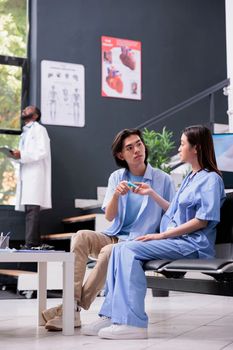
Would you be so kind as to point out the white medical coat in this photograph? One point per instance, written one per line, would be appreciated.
(34, 180)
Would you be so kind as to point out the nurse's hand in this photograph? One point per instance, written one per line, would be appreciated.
(16, 154)
(122, 188)
(143, 189)
(150, 237)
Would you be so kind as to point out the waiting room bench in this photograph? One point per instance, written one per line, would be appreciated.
(206, 276)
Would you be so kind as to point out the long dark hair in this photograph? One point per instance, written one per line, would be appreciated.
(200, 136)
(117, 145)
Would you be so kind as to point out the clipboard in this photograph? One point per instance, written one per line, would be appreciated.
(7, 151)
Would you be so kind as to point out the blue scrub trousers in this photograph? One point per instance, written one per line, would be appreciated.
(126, 282)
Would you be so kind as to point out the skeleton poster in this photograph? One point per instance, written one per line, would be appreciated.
(62, 93)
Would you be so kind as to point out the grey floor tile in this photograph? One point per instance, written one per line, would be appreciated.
(228, 347)
(181, 344)
(181, 321)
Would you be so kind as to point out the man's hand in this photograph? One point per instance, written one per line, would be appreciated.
(122, 188)
(16, 154)
(142, 188)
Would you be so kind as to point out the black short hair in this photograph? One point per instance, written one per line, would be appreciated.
(38, 113)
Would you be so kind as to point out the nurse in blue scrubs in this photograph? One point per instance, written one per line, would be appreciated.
(187, 230)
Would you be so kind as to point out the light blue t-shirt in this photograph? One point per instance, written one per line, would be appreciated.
(150, 213)
(133, 205)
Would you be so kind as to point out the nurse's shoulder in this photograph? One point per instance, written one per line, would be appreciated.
(212, 179)
(159, 174)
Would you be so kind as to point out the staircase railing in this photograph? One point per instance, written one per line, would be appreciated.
(201, 95)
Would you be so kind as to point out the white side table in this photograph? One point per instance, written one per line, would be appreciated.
(41, 258)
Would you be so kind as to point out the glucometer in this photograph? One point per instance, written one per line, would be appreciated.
(130, 184)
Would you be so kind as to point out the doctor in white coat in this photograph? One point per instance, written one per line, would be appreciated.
(33, 191)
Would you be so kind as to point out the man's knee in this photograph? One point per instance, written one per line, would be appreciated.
(80, 238)
(106, 252)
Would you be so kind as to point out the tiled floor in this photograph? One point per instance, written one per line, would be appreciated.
(181, 321)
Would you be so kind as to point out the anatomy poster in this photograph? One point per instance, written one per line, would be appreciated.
(62, 93)
(121, 68)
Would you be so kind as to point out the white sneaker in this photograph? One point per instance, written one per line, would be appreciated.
(56, 323)
(123, 331)
(94, 327)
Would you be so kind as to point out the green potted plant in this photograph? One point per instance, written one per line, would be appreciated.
(159, 146)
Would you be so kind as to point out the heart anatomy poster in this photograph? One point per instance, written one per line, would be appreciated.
(121, 68)
(62, 93)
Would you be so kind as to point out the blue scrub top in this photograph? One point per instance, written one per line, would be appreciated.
(150, 213)
(200, 196)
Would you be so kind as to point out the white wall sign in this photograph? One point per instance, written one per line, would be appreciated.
(62, 93)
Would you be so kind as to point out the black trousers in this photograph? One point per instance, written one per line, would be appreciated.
(32, 225)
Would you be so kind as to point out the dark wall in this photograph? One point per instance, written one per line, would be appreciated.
(183, 53)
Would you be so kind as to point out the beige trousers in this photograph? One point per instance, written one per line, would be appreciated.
(87, 243)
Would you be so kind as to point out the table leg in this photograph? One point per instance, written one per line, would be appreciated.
(42, 290)
(68, 298)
